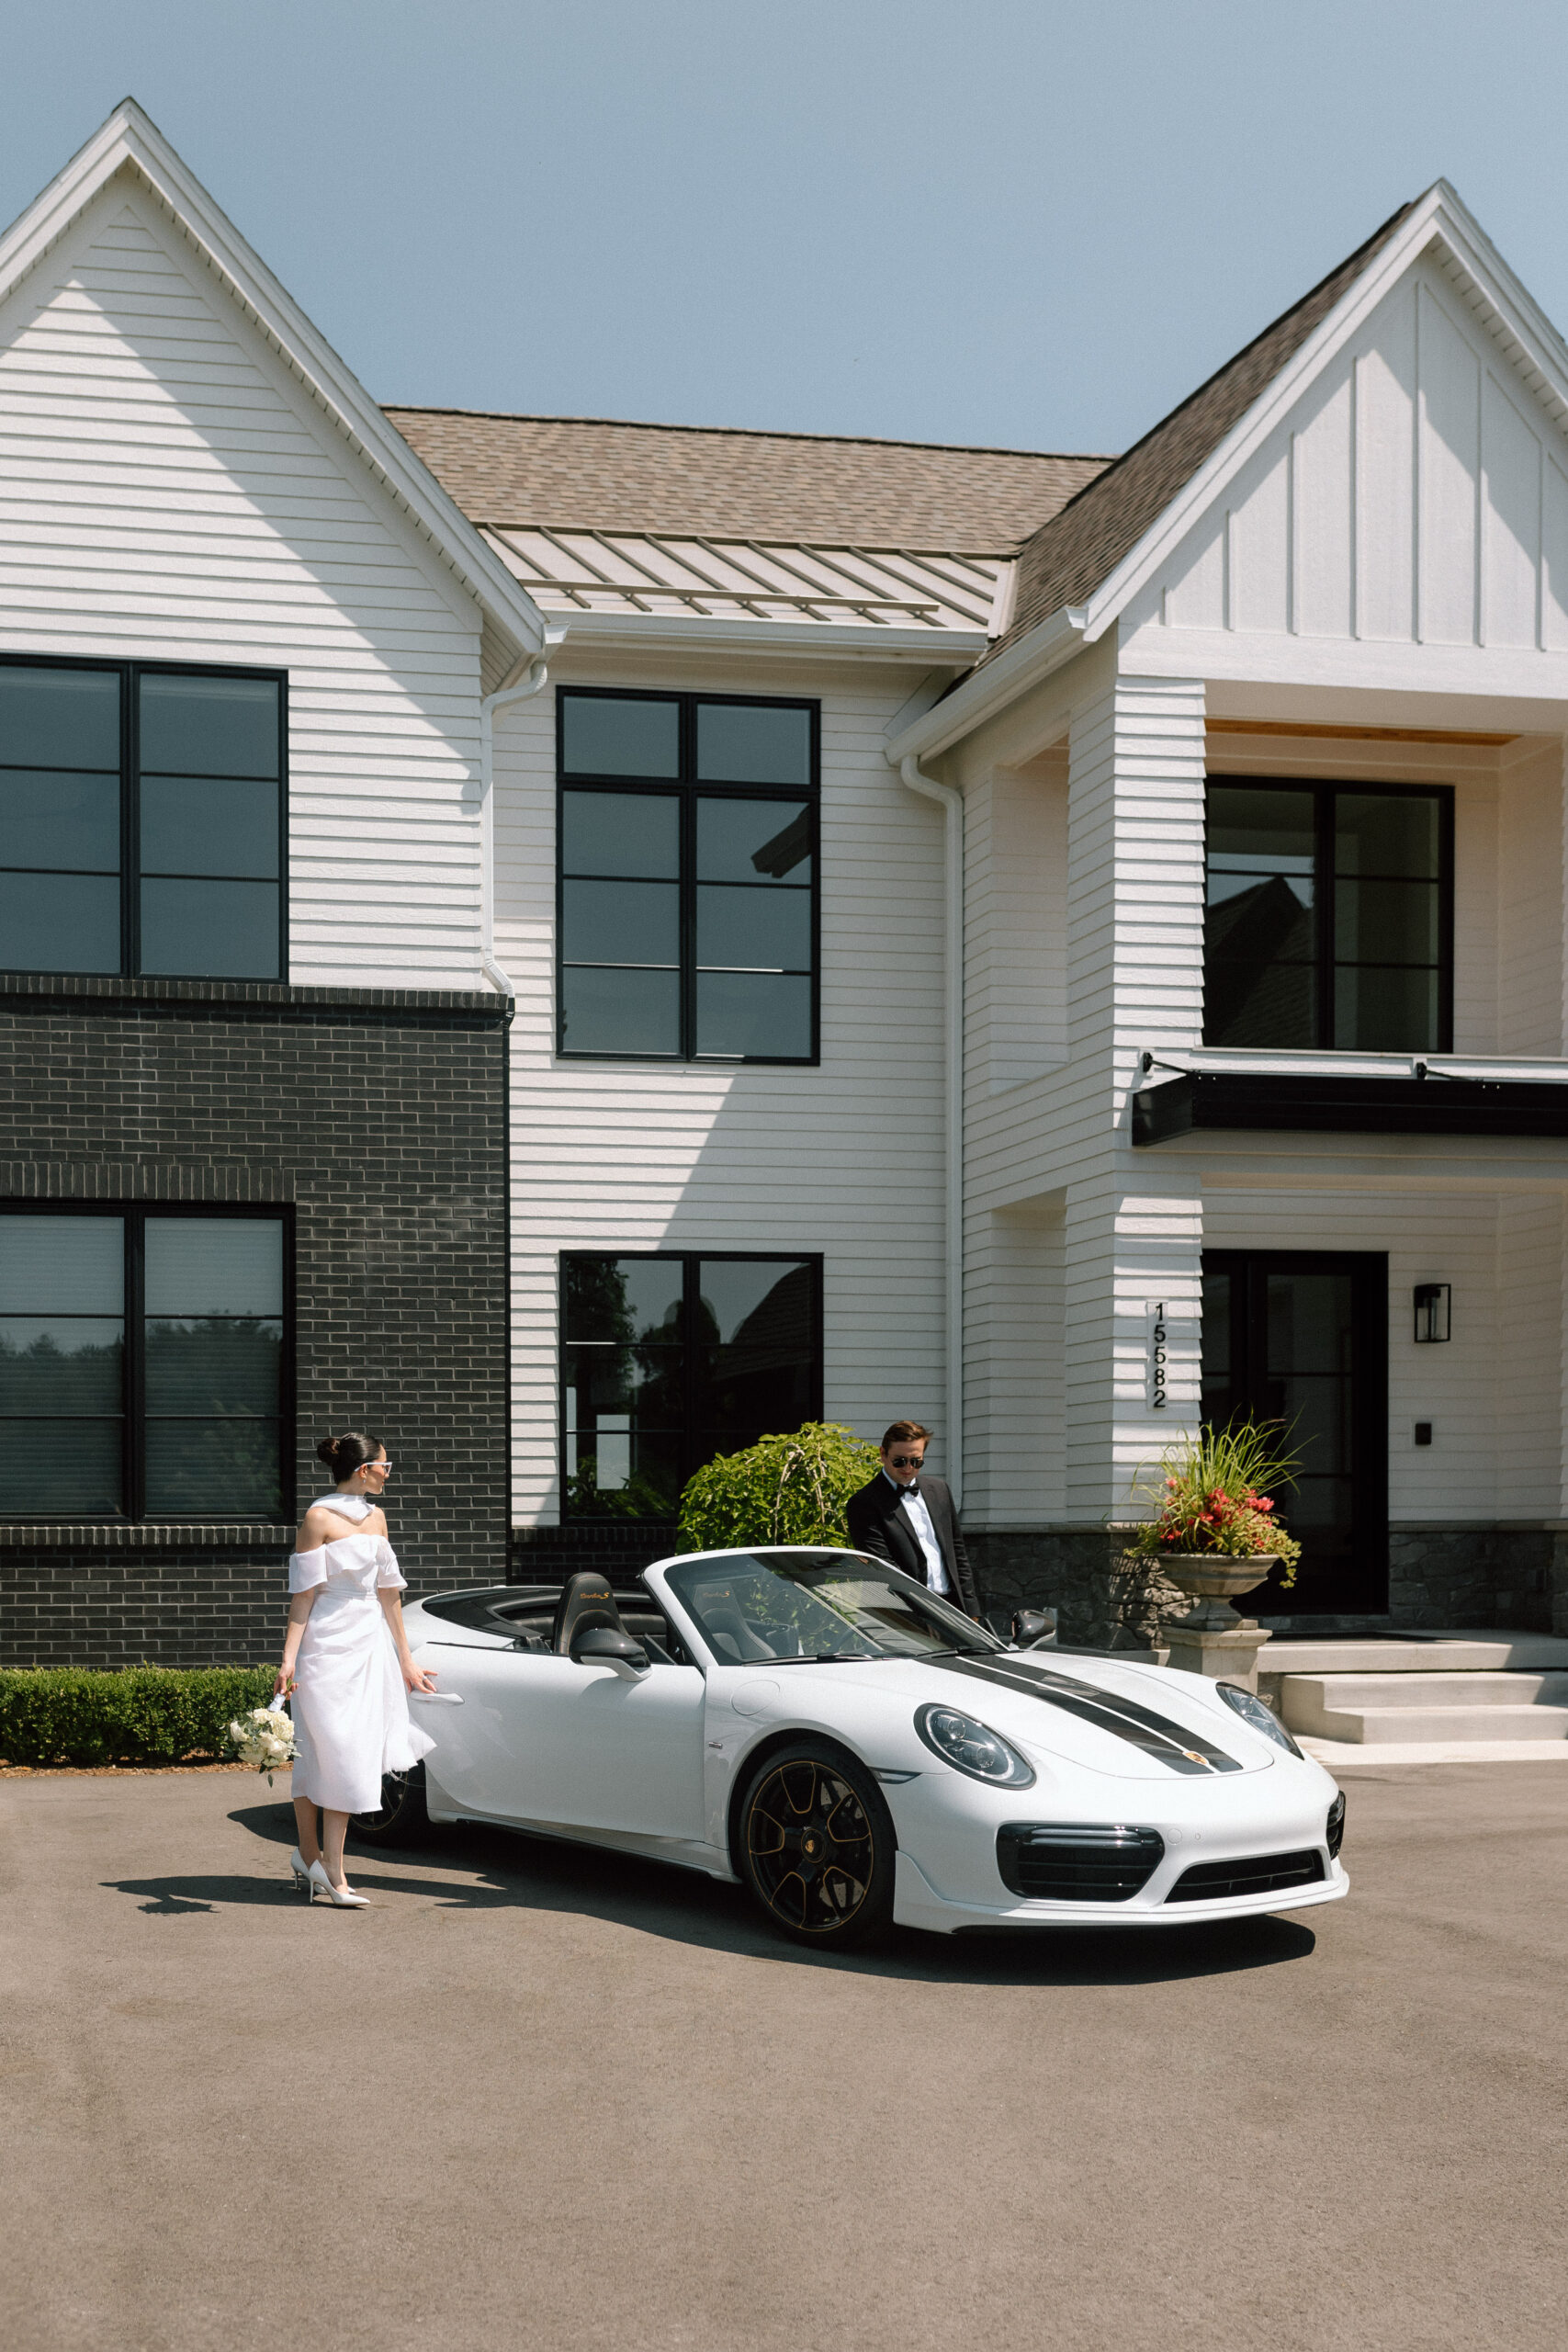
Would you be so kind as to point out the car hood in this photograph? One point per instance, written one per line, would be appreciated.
(1129, 1723)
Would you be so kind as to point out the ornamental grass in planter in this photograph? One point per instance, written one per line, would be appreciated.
(1214, 1531)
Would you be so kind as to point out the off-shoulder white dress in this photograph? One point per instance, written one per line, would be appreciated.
(350, 1708)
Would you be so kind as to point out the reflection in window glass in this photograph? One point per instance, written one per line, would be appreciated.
(620, 735)
(206, 1357)
(62, 1364)
(214, 1363)
(721, 966)
(203, 755)
(1326, 921)
(669, 1360)
(753, 743)
(59, 800)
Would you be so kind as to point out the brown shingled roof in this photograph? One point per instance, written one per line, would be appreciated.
(588, 474)
(1077, 549)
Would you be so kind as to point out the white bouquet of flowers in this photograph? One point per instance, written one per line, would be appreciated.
(263, 1739)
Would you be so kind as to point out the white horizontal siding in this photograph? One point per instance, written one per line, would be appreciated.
(168, 491)
(1493, 1392)
(845, 1160)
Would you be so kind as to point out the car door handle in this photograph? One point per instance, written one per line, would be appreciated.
(436, 1698)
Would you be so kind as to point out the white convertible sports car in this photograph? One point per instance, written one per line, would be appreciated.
(819, 1726)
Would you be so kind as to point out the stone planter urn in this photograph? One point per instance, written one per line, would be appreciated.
(1214, 1580)
(1211, 1638)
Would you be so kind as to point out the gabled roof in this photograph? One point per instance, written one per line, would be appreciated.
(1075, 551)
(576, 473)
(130, 141)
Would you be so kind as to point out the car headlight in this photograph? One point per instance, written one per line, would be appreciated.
(1335, 1826)
(1251, 1709)
(970, 1747)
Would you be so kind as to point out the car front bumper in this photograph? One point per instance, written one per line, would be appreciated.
(916, 1904)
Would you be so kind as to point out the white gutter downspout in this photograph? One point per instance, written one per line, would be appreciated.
(951, 801)
(538, 677)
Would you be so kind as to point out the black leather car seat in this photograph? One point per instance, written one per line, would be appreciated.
(586, 1601)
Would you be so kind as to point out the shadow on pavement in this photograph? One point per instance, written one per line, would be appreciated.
(486, 1870)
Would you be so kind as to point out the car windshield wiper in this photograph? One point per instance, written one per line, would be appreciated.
(819, 1658)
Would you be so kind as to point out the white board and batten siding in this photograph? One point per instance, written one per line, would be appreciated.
(844, 1161)
(1416, 496)
(170, 490)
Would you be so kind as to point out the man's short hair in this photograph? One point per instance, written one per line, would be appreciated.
(902, 1434)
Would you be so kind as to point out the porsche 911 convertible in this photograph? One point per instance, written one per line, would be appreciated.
(819, 1726)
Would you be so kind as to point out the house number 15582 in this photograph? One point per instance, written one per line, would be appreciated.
(1155, 1313)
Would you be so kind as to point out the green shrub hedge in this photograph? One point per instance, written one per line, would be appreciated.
(139, 1714)
(786, 1489)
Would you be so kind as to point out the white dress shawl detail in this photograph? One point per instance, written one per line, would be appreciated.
(350, 1708)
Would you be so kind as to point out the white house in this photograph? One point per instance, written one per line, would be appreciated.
(1047, 944)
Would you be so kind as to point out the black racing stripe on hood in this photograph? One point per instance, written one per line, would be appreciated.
(1182, 1750)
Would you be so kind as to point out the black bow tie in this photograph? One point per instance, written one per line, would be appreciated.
(912, 1489)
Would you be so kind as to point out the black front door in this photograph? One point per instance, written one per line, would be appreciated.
(1301, 1338)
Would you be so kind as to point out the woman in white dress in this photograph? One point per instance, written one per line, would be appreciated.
(346, 1663)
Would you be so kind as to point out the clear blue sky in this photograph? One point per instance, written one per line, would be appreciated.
(1012, 222)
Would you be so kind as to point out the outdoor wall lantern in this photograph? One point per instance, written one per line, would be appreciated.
(1432, 1303)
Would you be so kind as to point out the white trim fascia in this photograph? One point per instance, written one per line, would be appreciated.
(130, 136)
(937, 648)
(1439, 214)
(1036, 654)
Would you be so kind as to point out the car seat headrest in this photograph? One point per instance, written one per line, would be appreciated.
(586, 1599)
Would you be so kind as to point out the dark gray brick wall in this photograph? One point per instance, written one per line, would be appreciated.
(1438, 1576)
(379, 1116)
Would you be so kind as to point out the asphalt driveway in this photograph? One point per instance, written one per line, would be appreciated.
(539, 2097)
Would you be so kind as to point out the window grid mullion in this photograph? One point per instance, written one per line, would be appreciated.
(136, 1362)
(688, 924)
(129, 821)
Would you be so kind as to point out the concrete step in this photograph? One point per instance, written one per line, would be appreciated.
(1400, 1726)
(1429, 1690)
(1440, 1652)
(1376, 1709)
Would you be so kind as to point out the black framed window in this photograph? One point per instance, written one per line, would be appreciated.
(668, 1359)
(687, 916)
(1331, 915)
(145, 1363)
(143, 819)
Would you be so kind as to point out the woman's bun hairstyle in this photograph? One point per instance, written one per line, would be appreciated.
(343, 1455)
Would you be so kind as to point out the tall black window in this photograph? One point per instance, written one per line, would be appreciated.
(688, 866)
(144, 1365)
(1330, 916)
(142, 820)
(669, 1360)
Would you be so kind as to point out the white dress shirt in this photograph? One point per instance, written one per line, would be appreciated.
(920, 1519)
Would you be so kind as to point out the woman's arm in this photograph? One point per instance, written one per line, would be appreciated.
(300, 1608)
(418, 1678)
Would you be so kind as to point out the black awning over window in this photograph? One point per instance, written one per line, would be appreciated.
(1329, 1104)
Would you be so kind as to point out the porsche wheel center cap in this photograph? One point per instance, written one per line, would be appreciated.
(811, 1842)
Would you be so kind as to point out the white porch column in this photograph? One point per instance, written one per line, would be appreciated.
(1136, 982)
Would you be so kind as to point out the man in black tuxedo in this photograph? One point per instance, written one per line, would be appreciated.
(908, 1519)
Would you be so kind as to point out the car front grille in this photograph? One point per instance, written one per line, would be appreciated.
(1255, 1874)
(1048, 1861)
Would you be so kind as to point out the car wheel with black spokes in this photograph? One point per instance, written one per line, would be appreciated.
(401, 1818)
(816, 1846)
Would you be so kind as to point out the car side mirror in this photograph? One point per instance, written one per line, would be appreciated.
(602, 1645)
(1034, 1629)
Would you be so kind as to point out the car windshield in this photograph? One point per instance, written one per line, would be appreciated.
(773, 1607)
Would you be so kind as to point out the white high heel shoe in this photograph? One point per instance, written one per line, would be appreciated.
(343, 1897)
(301, 1870)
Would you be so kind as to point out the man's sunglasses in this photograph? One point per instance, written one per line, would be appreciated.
(905, 1461)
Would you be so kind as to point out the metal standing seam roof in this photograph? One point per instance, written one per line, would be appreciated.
(1078, 549)
(566, 571)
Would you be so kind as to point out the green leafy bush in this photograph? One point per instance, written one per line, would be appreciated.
(787, 1490)
(137, 1714)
